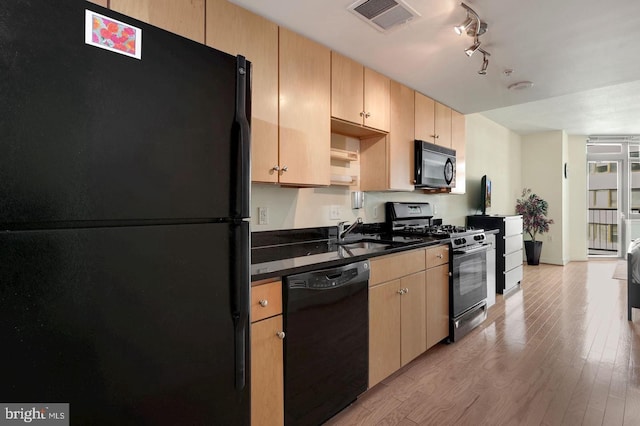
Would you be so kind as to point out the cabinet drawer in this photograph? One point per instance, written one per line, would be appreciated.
(266, 300)
(512, 243)
(512, 277)
(394, 266)
(512, 260)
(437, 256)
(513, 226)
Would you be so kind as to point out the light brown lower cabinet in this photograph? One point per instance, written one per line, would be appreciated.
(267, 373)
(408, 308)
(438, 304)
(397, 325)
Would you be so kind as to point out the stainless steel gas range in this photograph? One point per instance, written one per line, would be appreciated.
(467, 264)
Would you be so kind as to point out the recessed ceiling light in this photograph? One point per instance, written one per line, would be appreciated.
(521, 85)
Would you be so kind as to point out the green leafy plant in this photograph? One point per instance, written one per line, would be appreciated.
(534, 211)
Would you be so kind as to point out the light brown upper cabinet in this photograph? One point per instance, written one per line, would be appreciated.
(432, 121)
(185, 18)
(386, 161)
(103, 3)
(401, 138)
(442, 121)
(358, 94)
(258, 42)
(425, 112)
(459, 143)
(305, 110)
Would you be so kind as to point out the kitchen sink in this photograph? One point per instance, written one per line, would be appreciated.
(365, 245)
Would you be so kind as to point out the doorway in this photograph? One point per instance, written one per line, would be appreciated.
(603, 185)
(604, 213)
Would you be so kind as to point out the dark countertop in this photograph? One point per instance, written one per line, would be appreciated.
(298, 257)
(288, 252)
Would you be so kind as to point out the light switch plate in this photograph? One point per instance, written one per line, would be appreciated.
(263, 216)
(334, 212)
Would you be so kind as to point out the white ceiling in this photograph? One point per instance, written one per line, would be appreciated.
(582, 55)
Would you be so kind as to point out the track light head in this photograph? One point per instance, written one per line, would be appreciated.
(472, 49)
(463, 27)
(485, 61)
(485, 64)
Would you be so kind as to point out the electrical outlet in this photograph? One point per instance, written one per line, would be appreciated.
(375, 212)
(334, 213)
(263, 215)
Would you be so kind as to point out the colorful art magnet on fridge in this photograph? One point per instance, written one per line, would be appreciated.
(110, 34)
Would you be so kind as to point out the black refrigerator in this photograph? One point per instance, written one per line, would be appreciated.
(124, 240)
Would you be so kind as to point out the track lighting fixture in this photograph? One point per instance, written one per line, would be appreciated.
(472, 49)
(474, 27)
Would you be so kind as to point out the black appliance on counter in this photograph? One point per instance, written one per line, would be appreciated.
(124, 257)
(326, 352)
(434, 165)
(468, 262)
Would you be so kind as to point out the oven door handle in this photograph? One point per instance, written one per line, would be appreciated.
(484, 247)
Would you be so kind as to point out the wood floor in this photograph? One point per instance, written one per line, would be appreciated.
(560, 351)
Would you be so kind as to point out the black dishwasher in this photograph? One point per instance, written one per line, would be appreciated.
(326, 351)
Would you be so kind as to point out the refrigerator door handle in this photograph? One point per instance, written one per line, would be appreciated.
(240, 285)
(241, 188)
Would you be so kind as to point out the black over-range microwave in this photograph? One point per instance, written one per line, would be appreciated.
(435, 166)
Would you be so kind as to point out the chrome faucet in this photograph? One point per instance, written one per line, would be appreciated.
(342, 233)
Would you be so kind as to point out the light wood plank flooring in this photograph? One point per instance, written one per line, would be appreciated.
(560, 351)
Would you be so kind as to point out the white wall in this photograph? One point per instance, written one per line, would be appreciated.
(542, 171)
(577, 172)
(491, 149)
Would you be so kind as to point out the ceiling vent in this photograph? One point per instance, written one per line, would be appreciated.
(383, 15)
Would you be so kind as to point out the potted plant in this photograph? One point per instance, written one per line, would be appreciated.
(533, 210)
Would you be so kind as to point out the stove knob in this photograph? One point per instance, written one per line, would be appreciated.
(464, 240)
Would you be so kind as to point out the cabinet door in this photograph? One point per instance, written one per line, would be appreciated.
(413, 324)
(401, 137)
(459, 143)
(425, 118)
(442, 120)
(267, 383)
(376, 100)
(305, 111)
(258, 42)
(103, 3)
(384, 330)
(185, 18)
(437, 304)
(347, 89)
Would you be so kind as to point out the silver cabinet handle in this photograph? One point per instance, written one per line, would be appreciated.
(280, 335)
(361, 113)
(264, 303)
(401, 291)
(276, 168)
(439, 256)
(285, 168)
(406, 290)
(367, 115)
